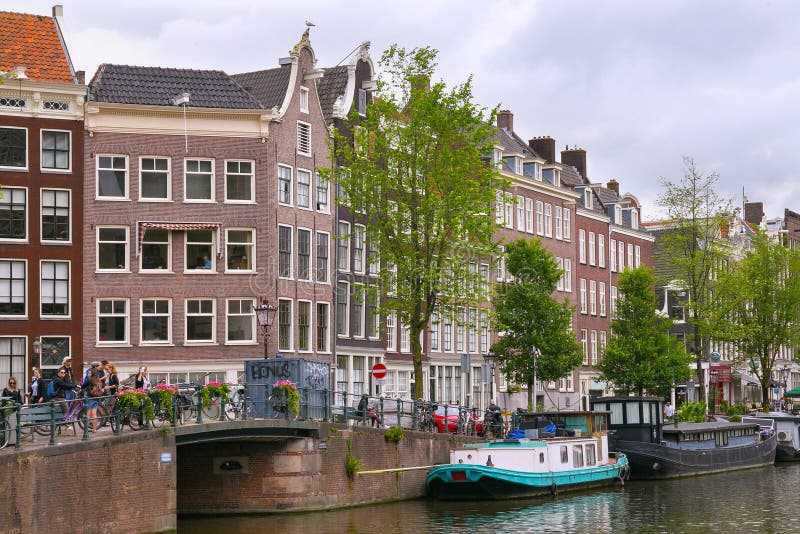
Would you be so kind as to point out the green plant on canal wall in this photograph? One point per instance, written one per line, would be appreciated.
(394, 434)
(693, 412)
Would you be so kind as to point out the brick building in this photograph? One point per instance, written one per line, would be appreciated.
(41, 173)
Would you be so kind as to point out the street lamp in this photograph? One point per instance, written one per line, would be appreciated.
(265, 315)
(491, 358)
(535, 353)
(37, 349)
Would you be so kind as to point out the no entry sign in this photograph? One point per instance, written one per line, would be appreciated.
(379, 371)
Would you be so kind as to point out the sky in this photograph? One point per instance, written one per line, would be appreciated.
(638, 84)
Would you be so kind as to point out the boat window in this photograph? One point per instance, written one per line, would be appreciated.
(646, 413)
(577, 456)
(541, 457)
(591, 458)
(600, 423)
(654, 412)
(616, 413)
(564, 454)
(632, 412)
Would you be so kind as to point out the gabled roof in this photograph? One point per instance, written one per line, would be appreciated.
(570, 177)
(513, 144)
(157, 86)
(331, 87)
(267, 86)
(33, 41)
(607, 196)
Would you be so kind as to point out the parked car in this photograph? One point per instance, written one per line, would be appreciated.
(448, 414)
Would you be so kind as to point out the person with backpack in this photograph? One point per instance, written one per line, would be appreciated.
(36, 391)
(111, 380)
(61, 386)
(92, 388)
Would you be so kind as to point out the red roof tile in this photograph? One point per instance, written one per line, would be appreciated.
(32, 41)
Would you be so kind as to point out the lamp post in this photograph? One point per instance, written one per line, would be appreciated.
(37, 349)
(491, 358)
(535, 353)
(265, 315)
(785, 379)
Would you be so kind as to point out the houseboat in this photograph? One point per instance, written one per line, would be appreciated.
(575, 457)
(785, 427)
(657, 450)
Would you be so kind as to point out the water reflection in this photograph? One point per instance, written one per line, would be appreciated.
(757, 500)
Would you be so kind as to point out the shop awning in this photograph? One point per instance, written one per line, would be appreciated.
(174, 226)
(750, 379)
(794, 392)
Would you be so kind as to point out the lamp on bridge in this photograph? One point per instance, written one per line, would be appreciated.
(265, 315)
(491, 358)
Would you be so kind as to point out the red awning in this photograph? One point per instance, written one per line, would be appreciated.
(173, 226)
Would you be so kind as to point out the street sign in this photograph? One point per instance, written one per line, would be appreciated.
(714, 356)
(776, 391)
(379, 371)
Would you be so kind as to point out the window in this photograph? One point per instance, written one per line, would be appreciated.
(621, 256)
(199, 180)
(585, 345)
(473, 330)
(634, 218)
(577, 456)
(405, 338)
(501, 266)
(612, 255)
(559, 222)
(582, 245)
(199, 250)
(593, 297)
(154, 179)
(55, 288)
(374, 258)
(56, 150)
(591, 456)
(284, 251)
(13, 287)
(521, 214)
(343, 244)
(56, 220)
(484, 276)
(303, 189)
(617, 214)
(509, 213)
(529, 215)
(434, 334)
(587, 198)
(54, 349)
(112, 321)
(357, 303)
(447, 338)
(613, 304)
(567, 227)
(156, 250)
(200, 317)
(373, 317)
(391, 332)
(303, 325)
(593, 347)
(359, 232)
(461, 330)
(155, 318)
(14, 147)
(322, 327)
(592, 249)
(583, 295)
(564, 454)
(499, 217)
(112, 248)
(239, 249)
(567, 275)
(362, 102)
(631, 264)
(342, 308)
(323, 187)
(560, 282)
(239, 181)
(304, 100)
(303, 138)
(548, 220)
(13, 213)
(601, 250)
(484, 325)
(112, 177)
(602, 299)
(241, 320)
(603, 342)
(322, 256)
(637, 258)
(539, 217)
(285, 185)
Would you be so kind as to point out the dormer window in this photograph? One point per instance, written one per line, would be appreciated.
(304, 100)
(634, 218)
(513, 164)
(617, 214)
(362, 102)
(497, 158)
(533, 169)
(556, 178)
(587, 198)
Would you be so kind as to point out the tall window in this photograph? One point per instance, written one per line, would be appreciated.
(112, 321)
(303, 325)
(461, 330)
(612, 254)
(362, 102)
(621, 256)
(284, 324)
(631, 263)
(447, 332)
(585, 345)
(55, 150)
(593, 297)
(593, 347)
(342, 308)
(13, 147)
(56, 220)
(557, 218)
(473, 330)
(484, 326)
(200, 250)
(200, 324)
(358, 248)
(582, 245)
(112, 177)
(548, 220)
(239, 249)
(529, 215)
(603, 342)
(539, 217)
(323, 187)
(521, 213)
(303, 189)
(13, 213)
(284, 251)
(284, 184)
(434, 333)
(322, 256)
(241, 320)
(374, 258)
(637, 259)
(155, 319)
(343, 243)
(405, 338)
(303, 138)
(322, 327)
(12, 287)
(373, 317)
(239, 180)
(391, 332)
(592, 249)
(560, 283)
(583, 295)
(55, 288)
(613, 298)
(156, 246)
(357, 303)
(567, 275)
(567, 222)
(602, 297)
(12, 360)
(199, 183)
(601, 250)
(304, 100)
(154, 179)
(112, 248)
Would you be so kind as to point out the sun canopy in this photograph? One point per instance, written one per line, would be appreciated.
(794, 392)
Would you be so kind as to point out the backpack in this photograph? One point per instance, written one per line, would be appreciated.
(51, 390)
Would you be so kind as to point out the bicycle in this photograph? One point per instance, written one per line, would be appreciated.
(425, 418)
(239, 405)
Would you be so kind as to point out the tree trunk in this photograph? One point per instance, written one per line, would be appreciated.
(531, 407)
(416, 352)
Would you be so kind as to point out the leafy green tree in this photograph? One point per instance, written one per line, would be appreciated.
(415, 167)
(767, 286)
(641, 355)
(532, 321)
(693, 248)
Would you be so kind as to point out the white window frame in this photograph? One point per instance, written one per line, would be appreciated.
(252, 247)
(169, 255)
(346, 293)
(212, 256)
(142, 315)
(303, 100)
(634, 218)
(126, 268)
(593, 297)
(601, 251)
(312, 266)
(560, 282)
(585, 345)
(41, 152)
(250, 313)
(312, 310)
(290, 347)
(359, 291)
(343, 261)
(405, 338)
(327, 257)
(548, 220)
(143, 198)
(539, 217)
(529, 215)
(320, 183)
(252, 176)
(55, 190)
(618, 214)
(557, 217)
(620, 256)
(602, 297)
(509, 213)
(567, 275)
(612, 255)
(391, 332)
(584, 307)
(592, 249)
(521, 213)
(582, 246)
(567, 222)
(290, 276)
(43, 315)
(186, 316)
(301, 125)
(290, 182)
(637, 256)
(27, 150)
(126, 195)
(359, 230)
(327, 348)
(435, 332)
(5, 193)
(126, 315)
(212, 178)
(587, 198)
(613, 300)
(10, 261)
(309, 186)
(593, 347)
(630, 256)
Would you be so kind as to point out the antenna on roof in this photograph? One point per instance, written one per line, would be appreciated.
(182, 99)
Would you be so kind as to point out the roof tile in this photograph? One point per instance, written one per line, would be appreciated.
(32, 41)
(267, 86)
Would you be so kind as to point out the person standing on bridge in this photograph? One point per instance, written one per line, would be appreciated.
(12, 391)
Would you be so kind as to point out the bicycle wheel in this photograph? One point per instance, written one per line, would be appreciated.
(135, 420)
(158, 417)
(115, 422)
(5, 431)
(212, 410)
(233, 407)
(186, 413)
(103, 415)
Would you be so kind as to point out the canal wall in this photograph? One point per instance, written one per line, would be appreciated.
(107, 484)
(306, 473)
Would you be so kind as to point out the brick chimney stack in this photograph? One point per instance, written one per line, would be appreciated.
(577, 158)
(613, 185)
(81, 76)
(505, 119)
(545, 146)
(754, 212)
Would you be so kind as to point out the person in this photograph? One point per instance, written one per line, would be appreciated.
(111, 380)
(362, 405)
(206, 262)
(66, 363)
(37, 389)
(63, 386)
(141, 381)
(669, 411)
(12, 391)
(92, 388)
(494, 418)
(97, 366)
(374, 418)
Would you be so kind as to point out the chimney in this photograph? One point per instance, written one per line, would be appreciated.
(505, 119)
(58, 11)
(613, 185)
(81, 76)
(577, 158)
(19, 73)
(545, 146)
(754, 212)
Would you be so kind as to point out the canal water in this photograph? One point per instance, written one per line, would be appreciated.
(756, 500)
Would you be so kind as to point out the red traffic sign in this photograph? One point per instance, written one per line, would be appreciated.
(379, 371)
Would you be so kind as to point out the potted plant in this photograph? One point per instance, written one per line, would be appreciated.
(286, 396)
(163, 396)
(133, 400)
(215, 389)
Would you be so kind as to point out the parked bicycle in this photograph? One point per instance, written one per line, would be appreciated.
(240, 405)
